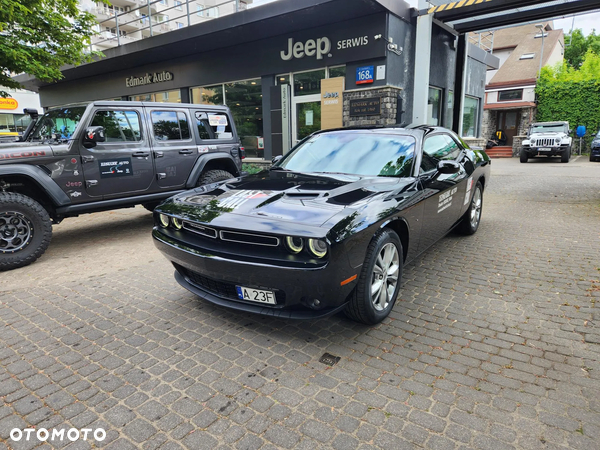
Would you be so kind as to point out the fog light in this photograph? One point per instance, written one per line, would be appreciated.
(164, 220)
(294, 244)
(177, 223)
(317, 247)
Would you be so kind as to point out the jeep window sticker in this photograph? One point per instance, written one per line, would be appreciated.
(117, 167)
(445, 200)
(469, 187)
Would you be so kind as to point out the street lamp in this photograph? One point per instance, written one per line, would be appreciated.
(541, 27)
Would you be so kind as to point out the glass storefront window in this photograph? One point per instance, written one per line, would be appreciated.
(449, 119)
(208, 95)
(335, 72)
(7, 123)
(244, 99)
(470, 117)
(308, 83)
(434, 106)
(282, 79)
(161, 97)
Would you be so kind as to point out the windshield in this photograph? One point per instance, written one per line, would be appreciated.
(557, 128)
(57, 124)
(355, 153)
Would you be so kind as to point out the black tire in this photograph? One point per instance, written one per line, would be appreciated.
(524, 156)
(25, 230)
(150, 206)
(566, 155)
(361, 306)
(213, 176)
(470, 221)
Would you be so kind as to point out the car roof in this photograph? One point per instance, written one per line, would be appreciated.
(549, 123)
(126, 103)
(411, 130)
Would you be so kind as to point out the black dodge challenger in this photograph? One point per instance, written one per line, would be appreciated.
(329, 226)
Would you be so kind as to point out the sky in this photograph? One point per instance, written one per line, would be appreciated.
(587, 22)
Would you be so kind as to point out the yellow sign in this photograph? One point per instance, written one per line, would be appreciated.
(332, 103)
(8, 103)
(455, 5)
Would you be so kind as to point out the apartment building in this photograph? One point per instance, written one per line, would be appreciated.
(126, 21)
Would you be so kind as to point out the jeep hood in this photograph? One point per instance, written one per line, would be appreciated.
(279, 196)
(19, 151)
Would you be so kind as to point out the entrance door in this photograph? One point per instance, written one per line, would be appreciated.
(306, 117)
(508, 121)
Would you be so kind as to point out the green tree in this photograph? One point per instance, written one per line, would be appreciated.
(38, 37)
(577, 45)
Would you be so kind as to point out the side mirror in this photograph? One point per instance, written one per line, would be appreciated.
(92, 136)
(276, 159)
(448, 167)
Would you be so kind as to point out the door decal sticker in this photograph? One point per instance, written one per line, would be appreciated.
(117, 167)
(445, 200)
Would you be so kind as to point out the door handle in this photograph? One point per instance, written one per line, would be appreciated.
(141, 154)
(159, 154)
(186, 152)
(91, 183)
(86, 159)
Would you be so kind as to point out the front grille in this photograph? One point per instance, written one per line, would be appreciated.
(200, 229)
(544, 142)
(248, 238)
(221, 288)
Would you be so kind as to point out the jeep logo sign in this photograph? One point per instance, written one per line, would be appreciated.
(318, 48)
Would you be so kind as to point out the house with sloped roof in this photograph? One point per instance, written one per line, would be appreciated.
(510, 102)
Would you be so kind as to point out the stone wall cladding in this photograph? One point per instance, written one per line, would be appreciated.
(389, 106)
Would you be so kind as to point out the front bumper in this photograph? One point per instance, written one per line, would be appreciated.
(545, 151)
(214, 278)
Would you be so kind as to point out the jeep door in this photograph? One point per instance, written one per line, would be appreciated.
(122, 165)
(173, 145)
(444, 193)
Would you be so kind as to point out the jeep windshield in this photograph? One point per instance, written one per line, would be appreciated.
(57, 124)
(353, 153)
(554, 128)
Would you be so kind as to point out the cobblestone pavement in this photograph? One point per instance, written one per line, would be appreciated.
(494, 344)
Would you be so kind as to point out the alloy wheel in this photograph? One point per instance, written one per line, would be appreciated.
(385, 276)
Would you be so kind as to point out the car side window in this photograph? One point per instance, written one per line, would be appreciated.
(119, 126)
(438, 148)
(213, 125)
(170, 126)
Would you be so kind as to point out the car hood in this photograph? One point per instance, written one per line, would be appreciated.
(552, 134)
(279, 197)
(23, 150)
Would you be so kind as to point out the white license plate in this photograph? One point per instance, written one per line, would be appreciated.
(256, 295)
(544, 149)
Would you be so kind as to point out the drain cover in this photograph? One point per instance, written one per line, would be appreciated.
(330, 360)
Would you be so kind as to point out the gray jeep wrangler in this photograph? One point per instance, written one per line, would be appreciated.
(547, 139)
(106, 155)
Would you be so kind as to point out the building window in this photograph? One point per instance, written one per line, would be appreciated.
(449, 119)
(177, 5)
(434, 107)
(527, 56)
(173, 96)
(212, 12)
(512, 95)
(308, 83)
(200, 10)
(244, 99)
(163, 2)
(470, 117)
(339, 71)
(179, 25)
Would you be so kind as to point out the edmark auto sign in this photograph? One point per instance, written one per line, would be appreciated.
(149, 78)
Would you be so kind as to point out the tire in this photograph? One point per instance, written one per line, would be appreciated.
(362, 307)
(524, 156)
(25, 230)
(213, 176)
(470, 221)
(150, 206)
(566, 155)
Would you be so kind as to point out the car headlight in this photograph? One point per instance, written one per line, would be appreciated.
(557, 141)
(164, 220)
(533, 142)
(177, 223)
(294, 244)
(317, 247)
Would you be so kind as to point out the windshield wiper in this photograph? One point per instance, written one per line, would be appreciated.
(283, 169)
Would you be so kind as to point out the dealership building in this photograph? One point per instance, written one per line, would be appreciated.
(289, 68)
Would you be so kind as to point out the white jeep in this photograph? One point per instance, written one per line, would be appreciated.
(548, 139)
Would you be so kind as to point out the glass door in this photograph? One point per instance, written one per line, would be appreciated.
(307, 118)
